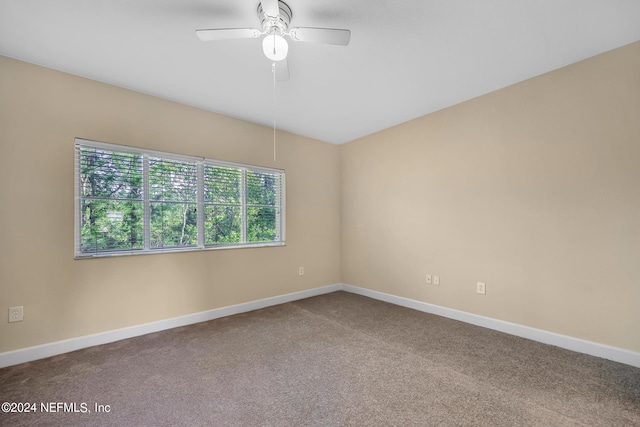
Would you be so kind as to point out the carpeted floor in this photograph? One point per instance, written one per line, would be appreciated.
(332, 360)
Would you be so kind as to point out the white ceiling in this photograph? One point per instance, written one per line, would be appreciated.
(406, 58)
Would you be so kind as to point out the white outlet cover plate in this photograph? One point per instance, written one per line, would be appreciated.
(16, 314)
(481, 288)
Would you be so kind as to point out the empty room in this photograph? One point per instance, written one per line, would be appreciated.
(331, 213)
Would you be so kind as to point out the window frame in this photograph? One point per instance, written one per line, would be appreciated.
(280, 221)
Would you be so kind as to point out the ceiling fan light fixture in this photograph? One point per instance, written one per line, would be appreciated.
(275, 47)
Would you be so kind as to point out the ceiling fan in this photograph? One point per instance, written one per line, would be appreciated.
(275, 16)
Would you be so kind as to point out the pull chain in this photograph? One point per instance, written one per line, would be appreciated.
(273, 70)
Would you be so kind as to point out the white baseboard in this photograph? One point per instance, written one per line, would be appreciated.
(570, 343)
(29, 354)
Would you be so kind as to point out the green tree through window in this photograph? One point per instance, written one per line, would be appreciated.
(173, 202)
(223, 204)
(262, 206)
(111, 213)
(132, 200)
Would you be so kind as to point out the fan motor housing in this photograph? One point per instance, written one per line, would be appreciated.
(279, 24)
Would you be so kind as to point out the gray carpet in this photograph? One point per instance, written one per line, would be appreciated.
(333, 360)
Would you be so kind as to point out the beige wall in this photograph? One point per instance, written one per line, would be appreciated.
(533, 189)
(41, 111)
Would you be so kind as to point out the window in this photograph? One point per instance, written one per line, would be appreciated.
(140, 201)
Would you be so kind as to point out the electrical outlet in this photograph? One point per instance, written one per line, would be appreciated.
(436, 280)
(16, 314)
(480, 288)
(428, 279)
(301, 271)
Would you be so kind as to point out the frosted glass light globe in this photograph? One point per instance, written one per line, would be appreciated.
(275, 47)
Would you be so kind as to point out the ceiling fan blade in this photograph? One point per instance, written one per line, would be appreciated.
(321, 35)
(282, 71)
(271, 8)
(227, 34)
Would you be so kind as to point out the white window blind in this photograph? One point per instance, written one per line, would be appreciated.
(173, 203)
(223, 205)
(263, 206)
(130, 200)
(110, 214)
